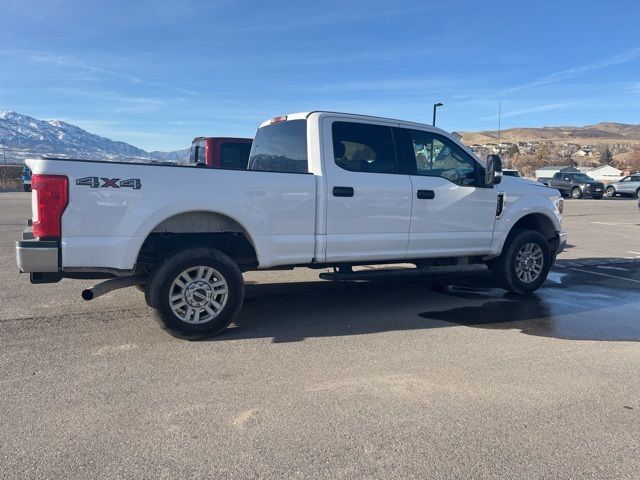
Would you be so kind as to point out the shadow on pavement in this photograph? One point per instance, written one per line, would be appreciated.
(571, 305)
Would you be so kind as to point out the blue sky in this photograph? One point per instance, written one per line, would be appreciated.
(157, 73)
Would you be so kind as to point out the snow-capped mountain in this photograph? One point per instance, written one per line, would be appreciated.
(25, 136)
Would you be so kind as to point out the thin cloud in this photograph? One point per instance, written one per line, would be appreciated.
(618, 59)
(73, 62)
(537, 109)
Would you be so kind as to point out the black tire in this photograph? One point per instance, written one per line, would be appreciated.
(26, 187)
(504, 267)
(160, 286)
(576, 193)
(596, 197)
(638, 193)
(610, 192)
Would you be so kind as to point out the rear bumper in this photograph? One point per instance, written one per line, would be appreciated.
(37, 256)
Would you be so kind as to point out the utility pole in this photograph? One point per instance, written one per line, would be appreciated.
(4, 152)
(499, 120)
(435, 105)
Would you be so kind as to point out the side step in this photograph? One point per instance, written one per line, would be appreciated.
(385, 274)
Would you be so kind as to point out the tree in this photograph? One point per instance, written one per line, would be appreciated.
(542, 154)
(606, 156)
(511, 151)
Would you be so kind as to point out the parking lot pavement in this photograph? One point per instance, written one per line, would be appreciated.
(441, 377)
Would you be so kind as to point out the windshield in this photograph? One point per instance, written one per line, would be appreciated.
(581, 177)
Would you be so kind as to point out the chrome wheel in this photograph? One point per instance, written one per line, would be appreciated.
(198, 295)
(610, 192)
(529, 262)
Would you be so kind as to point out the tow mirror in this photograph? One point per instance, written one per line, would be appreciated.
(493, 175)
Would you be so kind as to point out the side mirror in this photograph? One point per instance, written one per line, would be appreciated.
(493, 175)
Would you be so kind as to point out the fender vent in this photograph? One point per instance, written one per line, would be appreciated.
(500, 205)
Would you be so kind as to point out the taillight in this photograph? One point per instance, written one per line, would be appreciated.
(51, 198)
(282, 118)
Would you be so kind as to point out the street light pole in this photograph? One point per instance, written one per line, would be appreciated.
(436, 105)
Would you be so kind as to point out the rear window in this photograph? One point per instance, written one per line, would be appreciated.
(280, 147)
(235, 155)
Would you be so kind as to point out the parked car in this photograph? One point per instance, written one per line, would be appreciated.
(577, 185)
(26, 179)
(322, 189)
(221, 152)
(627, 186)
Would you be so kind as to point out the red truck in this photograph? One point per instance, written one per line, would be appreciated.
(221, 152)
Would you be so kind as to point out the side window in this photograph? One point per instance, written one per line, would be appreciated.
(234, 155)
(280, 147)
(361, 147)
(636, 178)
(567, 178)
(626, 179)
(436, 156)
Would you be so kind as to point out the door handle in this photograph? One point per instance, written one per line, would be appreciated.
(426, 194)
(343, 191)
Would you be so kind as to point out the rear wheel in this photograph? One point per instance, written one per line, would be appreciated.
(610, 192)
(524, 264)
(26, 187)
(638, 193)
(197, 292)
(576, 193)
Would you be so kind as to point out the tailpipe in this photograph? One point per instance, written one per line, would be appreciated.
(112, 284)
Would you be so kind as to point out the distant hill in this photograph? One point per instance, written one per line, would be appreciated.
(25, 136)
(605, 131)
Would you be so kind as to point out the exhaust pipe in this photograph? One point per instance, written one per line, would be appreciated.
(112, 284)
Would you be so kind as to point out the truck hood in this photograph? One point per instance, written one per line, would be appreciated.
(523, 186)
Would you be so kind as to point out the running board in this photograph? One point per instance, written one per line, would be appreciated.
(401, 273)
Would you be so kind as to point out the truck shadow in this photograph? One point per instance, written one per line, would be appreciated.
(572, 304)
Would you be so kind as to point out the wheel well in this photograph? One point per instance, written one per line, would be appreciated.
(197, 229)
(540, 223)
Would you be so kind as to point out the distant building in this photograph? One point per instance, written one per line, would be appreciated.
(605, 173)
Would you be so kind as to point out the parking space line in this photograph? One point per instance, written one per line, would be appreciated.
(630, 225)
(635, 253)
(606, 275)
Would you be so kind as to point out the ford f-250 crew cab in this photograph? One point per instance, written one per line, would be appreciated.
(322, 189)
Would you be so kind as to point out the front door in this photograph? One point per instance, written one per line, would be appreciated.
(453, 213)
(368, 204)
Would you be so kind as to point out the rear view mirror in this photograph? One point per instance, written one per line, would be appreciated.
(493, 175)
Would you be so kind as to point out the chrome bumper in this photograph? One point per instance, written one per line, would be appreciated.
(37, 256)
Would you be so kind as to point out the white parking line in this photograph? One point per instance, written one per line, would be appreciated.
(606, 275)
(635, 253)
(630, 225)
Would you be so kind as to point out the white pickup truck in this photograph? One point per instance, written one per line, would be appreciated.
(322, 189)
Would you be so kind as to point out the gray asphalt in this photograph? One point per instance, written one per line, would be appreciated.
(438, 378)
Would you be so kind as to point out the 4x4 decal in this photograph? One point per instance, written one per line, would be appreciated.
(94, 182)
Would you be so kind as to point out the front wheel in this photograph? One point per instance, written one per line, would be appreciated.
(576, 193)
(610, 192)
(524, 264)
(197, 292)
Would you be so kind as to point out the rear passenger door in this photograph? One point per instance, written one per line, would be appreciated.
(453, 212)
(368, 204)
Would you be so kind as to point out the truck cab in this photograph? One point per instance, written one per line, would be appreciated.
(220, 152)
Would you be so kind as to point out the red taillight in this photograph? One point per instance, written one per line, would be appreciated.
(278, 119)
(52, 197)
